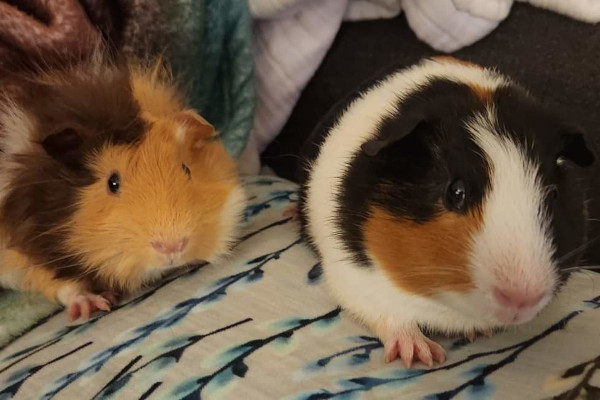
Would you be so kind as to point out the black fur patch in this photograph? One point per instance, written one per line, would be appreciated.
(310, 148)
(541, 131)
(410, 177)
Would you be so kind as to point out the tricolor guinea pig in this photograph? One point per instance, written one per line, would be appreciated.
(107, 181)
(445, 198)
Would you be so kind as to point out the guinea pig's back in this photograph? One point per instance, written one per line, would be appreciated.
(310, 147)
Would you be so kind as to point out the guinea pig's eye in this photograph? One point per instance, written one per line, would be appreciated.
(456, 195)
(186, 170)
(114, 183)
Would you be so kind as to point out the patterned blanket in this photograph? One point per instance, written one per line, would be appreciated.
(261, 326)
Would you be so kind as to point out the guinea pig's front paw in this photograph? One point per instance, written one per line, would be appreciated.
(85, 304)
(485, 333)
(410, 344)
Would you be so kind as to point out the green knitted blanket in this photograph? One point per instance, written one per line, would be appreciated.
(209, 48)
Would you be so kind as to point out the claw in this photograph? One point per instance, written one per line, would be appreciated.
(412, 345)
(471, 336)
(85, 304)
(488, 333)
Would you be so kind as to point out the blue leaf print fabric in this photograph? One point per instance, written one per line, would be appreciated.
(261, 325)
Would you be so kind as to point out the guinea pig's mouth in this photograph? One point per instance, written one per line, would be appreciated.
(509, 312)
(176, 261)
(510, 317)
(499, 309)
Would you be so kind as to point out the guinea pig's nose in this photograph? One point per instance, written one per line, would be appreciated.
(515, 297)
(170, 247)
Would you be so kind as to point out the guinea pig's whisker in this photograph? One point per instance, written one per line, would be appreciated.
(428, 270)
(46, 263)
(55, 210)
(579, 249)
(432, 275)
(583, 268)
(42, 234)
(72, 254)
(45, 181)
(284, 155)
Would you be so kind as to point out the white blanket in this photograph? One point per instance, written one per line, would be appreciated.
(291, 37)
(261, 325)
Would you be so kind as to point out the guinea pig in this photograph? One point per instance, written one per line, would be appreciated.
(107, 181)
(445, 198)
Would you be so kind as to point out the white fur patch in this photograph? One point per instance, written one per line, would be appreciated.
(67, 293)
(180, 133)
(232, 213)
(11, 278)
(17, 130)
(514, 247)
(368, 293)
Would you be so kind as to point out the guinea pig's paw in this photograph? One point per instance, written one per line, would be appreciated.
(85, 304)
(410, 344)
(473, 335)
(111, 297)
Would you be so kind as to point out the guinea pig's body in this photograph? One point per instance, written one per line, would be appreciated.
(107, 182)
(444, 198)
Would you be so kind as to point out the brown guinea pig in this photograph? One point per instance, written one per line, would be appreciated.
(106, 182)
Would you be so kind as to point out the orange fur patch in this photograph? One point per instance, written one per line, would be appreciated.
(423, 258)
(29, 275)
(455, 60)
(154, 91)
(157, 201)
(484, 94)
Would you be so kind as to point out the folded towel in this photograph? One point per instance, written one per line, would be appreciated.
(287, 51)
(443, 26)
(495, 10)
(583, 10)
(449, 25)
(360, 10)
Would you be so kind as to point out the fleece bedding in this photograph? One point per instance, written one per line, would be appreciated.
(262, 326)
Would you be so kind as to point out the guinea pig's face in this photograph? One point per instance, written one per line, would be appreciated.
(170, 199)
(533, 210)
(480, 206)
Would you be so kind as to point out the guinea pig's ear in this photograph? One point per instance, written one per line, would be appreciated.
(575, 149)
(64, 145)
(402, 128)
(196, 131)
